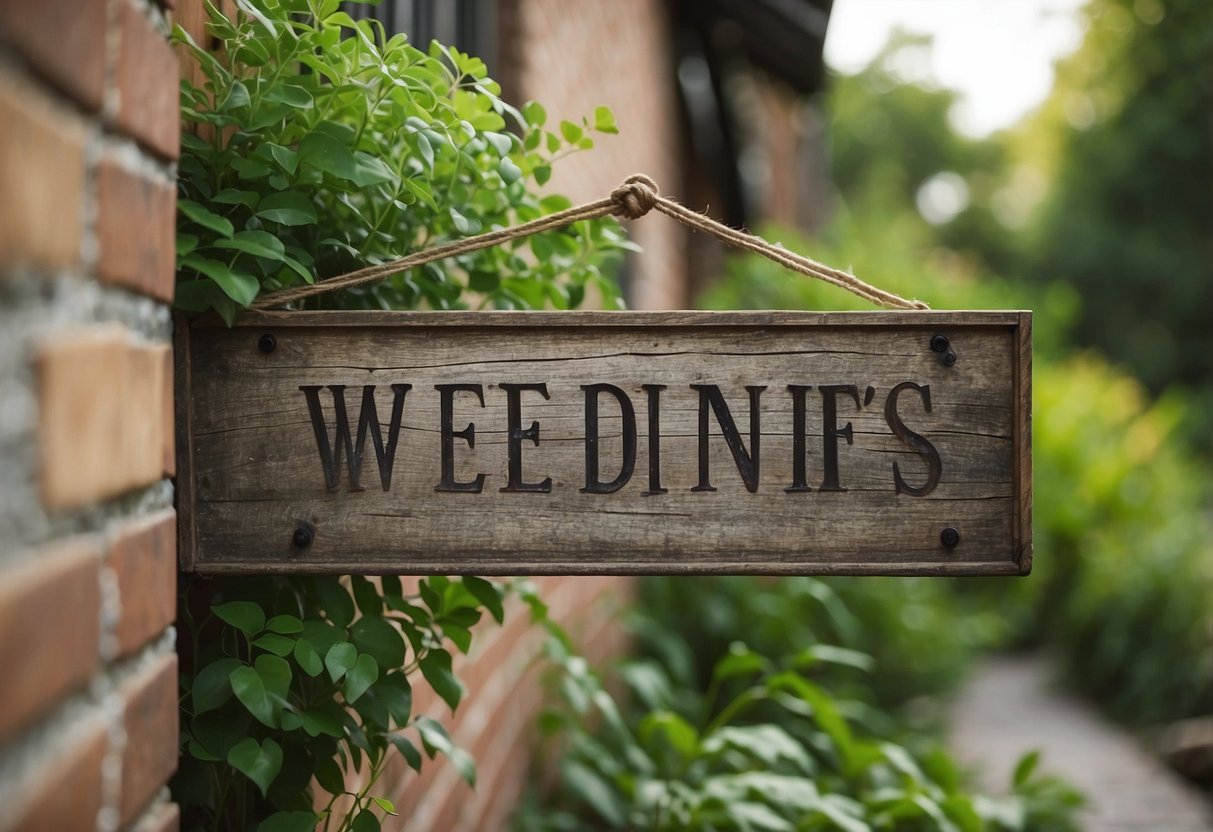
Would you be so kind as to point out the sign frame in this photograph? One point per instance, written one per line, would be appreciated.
(931, 331)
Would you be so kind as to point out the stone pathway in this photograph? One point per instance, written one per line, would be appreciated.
(1008, 707)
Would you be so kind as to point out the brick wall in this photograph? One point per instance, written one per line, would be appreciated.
(88, 134)
(574, 57)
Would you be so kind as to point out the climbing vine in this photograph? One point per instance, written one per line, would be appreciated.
(316, 145)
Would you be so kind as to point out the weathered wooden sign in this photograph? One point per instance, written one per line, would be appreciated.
(607, 442)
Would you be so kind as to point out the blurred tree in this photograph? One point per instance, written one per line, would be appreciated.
(1128, 216)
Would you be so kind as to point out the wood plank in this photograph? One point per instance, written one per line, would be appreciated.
(252, 451)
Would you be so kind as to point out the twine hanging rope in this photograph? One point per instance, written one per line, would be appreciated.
(632, 200)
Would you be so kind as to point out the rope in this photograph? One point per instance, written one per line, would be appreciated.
(633, 199)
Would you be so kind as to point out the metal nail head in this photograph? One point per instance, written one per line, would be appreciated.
(267, 343)
(302, 538)
(949, 537)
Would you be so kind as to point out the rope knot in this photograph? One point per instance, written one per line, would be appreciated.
(635, 197)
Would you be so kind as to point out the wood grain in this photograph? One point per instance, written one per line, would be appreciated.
(251, 471)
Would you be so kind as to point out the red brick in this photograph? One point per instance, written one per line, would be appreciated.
(144, 560)
(47, 654)
(147, 83)
(150, 717)
(68, 794)
(63, 41)
(164, 818)
(41, 178)
(105, 415)
(136, 228)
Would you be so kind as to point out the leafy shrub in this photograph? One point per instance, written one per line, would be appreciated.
(764, 748)
(321, 146)
(324, 146)
(299, 679)
(1122, 580)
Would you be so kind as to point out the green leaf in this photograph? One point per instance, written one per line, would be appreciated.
(379, 639)
(317, 722)
(328, 775)
(286, 624)
(275, 673)
(284, 156)
(340, 659)
(367, 597)
(395, 692)
(407, 750)
(571, 132)
(250, 168)
(435, 739)
(276, 644)
(196, 295)
(604, 120)
(240, 287)
(336, 602)
(307, 657)
(739, 661)
(232, 196)
(186, 243)
(427, 151)
(542, 174)
(287, 208)
(245, 616)
(534, 113)
(361, 676)
(257, 243)
(258, 762)
(211, 687)
(289, 822)
(488, 594)
(218, 730)
(484, 281)
(250, 690)
(596, 792)
(510, 172)
(364, 821)
(436, 668)
(205, 217)
(673, 729)
(322, 635)
(503, 143)
(1024, 768)
(385, 804)
(324, 153)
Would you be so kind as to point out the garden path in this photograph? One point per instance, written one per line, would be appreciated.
(1009, 706)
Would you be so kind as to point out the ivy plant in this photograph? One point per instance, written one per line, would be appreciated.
(315, 146)
(319, 145)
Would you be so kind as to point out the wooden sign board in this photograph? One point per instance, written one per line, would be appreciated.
(607, 443)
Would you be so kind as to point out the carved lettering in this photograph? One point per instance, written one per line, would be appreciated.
(799, 478)
(916, 442)
(368, 425)
(446, 416)
(830, 432)
(593, 485)
(654, 393)
(746, 460)
(515, 435)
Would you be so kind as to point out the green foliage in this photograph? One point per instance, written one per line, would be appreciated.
(1128, 213)
(901, 634)
(765, 747)
(287, 687)
(320, 146)
(1124, 566)
(324, 146)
